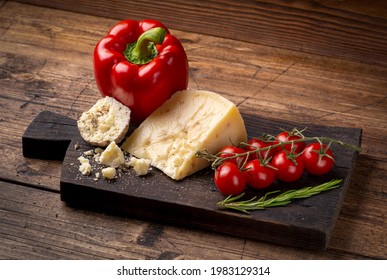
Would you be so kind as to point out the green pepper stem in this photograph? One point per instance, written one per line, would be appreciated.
(144, 50)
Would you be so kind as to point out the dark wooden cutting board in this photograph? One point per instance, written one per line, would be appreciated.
(192, 202)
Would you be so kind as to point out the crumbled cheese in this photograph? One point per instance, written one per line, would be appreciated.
(85, 166)
(88, 153)
(109, 172)
(112, 156)
(98, 150)
(140, 165)
(96, 157)
(97, 176)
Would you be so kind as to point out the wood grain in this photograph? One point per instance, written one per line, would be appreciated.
(320, 27)
(45, 64)
(192, 201)
(42, 227)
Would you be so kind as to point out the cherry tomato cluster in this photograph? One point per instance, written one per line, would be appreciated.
(261, 161)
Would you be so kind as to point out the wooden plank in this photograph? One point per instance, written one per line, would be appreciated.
(61, 73)
(35, 224)
(41, 227)
(343, 31)
(166, 200)
(49, 136)
(38, 74)
(45, 64)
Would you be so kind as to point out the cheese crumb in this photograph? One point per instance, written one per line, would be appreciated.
(88, 153)
(85, 166)
(140, 165)
(112, 156)
(98, 150)
(109, 172)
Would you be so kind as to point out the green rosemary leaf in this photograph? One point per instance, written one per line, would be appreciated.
(231, 198)
(281, 199)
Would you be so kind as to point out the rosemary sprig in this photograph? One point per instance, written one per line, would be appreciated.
(232, 202)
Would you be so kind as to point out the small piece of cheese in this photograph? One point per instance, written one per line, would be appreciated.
(112, 156)
(190, 121)
(108, 120)
(88, 153)
(109, 172)
(140, 165)
(85, 166)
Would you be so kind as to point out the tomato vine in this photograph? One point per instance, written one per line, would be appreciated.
(261, 161)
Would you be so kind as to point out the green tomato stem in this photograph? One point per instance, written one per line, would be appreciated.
(216, 160)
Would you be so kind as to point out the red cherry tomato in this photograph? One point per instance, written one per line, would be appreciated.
(289, 136)
(288, 169)
(229, 179)
(255, 143)
(257, 175)
(318, 160)
(230, 151)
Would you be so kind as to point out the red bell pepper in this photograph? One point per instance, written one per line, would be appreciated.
(140, 64)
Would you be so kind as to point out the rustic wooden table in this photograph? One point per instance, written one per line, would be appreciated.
(317, 62)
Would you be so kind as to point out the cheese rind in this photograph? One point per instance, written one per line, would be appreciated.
(190, 121)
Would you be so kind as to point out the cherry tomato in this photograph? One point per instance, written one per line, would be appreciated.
(318, 160)
(230, 151)
(288, 169)
(257, 175)
(229, 179)
(255, 143)
(289, 136)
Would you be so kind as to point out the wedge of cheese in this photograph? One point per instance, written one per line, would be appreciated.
(190, 121)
